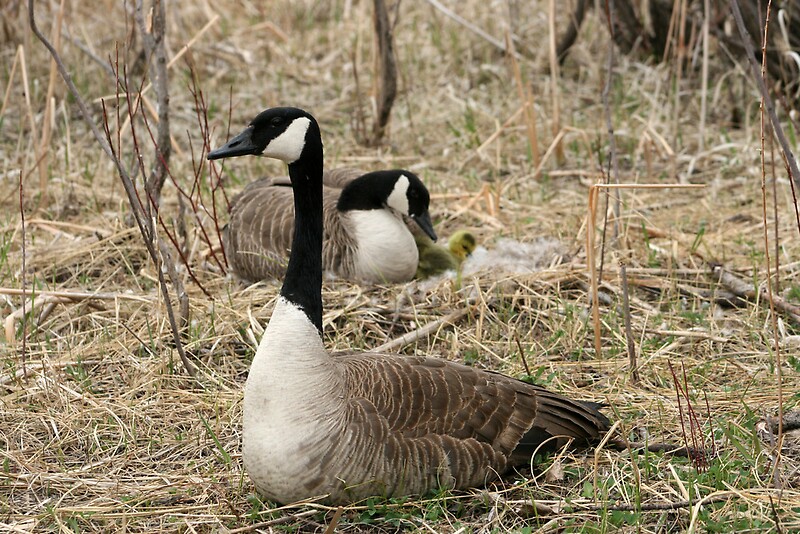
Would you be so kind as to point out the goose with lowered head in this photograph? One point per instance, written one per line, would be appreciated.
(365, 236)
(351, 425)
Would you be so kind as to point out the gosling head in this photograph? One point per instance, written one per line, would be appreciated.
(462, 244)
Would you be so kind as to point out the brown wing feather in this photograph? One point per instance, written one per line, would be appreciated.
(258, 237)
(259, 234)
(484, 422)
(339, 178)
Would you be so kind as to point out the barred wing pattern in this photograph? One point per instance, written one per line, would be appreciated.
(258, 237)
(415, 423)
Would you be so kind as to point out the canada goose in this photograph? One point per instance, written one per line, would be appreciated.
(365, 236)
(351, 425)
(435, 259)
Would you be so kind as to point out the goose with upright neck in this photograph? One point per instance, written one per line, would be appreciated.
(346, 426)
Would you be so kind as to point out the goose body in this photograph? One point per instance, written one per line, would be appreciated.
(435, 259)
(365, 235)
(351, 425)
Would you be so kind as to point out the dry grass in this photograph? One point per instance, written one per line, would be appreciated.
(101, 430)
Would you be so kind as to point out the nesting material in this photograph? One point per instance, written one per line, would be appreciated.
(510, 256)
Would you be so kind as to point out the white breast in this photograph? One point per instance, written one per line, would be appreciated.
(289, 404)
(385, 249)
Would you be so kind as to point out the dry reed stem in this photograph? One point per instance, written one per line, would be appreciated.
(555, 88)
(42, 150)
(527, 107)
(17, 58)
(770, 296)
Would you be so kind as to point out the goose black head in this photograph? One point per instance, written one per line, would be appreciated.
(397, 189)
(281, 133)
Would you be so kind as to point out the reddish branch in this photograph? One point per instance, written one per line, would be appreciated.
(137, 208)
(698, 454)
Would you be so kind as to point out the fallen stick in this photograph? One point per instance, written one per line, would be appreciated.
(414, 335)
(791, 421)
(72, 295)
(745, 290)
(666, 448)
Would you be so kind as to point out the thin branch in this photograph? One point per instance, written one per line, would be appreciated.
(130, 190)
(626, 308)
(762, 87)
(155, 48)
(471, 27)
(387, 69)
(23, 353)
(770, 296)
(414, 335)
(612, 142)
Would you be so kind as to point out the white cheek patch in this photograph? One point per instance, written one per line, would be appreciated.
(398, 200)
(289, 145)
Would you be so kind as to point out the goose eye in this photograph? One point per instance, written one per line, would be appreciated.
(276, 121)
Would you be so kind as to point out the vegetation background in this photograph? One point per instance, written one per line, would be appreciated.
(103, 429)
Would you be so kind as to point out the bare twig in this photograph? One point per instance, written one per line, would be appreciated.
(23, 351)
(471, 27)
(745, 290)
(522, 354)
(770, 296)
(215, 177)
(133, 198)
(791, 162)
(689, 418)
(414, 335)
(155, 48)
(612, 143)
(555, 89)
(704, 75)
(626, 308)
(387, 69)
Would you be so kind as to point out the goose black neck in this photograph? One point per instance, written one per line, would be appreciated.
(302, 284)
